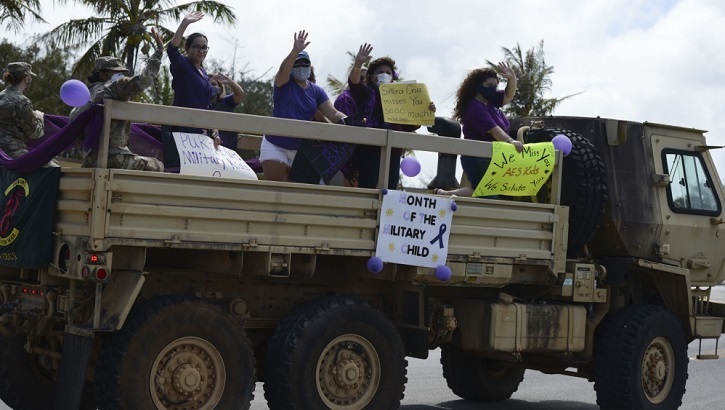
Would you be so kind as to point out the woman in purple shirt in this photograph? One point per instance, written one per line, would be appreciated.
(191, 85)
(295, 97)
(479, 110)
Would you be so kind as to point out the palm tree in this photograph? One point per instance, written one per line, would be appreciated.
(533, 80)
(123, 26)
(14, 12)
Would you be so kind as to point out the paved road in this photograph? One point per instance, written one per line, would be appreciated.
(427, 390)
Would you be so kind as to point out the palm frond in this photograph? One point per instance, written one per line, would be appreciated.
(77, 32)
(219, 12)
(14, 13)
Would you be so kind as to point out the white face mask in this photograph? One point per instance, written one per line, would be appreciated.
(117, 77)
(384, 78)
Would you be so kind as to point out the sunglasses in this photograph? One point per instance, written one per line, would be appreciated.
(301, 64)
(197, 47)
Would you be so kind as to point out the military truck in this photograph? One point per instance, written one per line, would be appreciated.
(171, 291)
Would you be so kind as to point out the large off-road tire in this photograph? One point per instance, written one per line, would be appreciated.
(477, 379)
(583, 186)
(174, 353)
(336, 353)
(640, 360)
(26, 381)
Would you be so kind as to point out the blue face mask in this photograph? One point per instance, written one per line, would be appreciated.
(215, 91)
(489, 93)
(301, 73)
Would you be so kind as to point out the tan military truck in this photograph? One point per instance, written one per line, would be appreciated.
(170, 291)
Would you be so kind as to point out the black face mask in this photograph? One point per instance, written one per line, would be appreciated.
(487, 92)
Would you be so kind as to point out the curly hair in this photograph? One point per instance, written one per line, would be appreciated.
(469, 87)
(380, 62)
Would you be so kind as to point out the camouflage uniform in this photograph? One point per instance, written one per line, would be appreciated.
(119, 156)
(18, 121)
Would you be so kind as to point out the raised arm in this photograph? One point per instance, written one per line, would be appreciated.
(130, 86)
(285, 69)
(362, 55)
(510, 76)
(192, 17)
(237, 89)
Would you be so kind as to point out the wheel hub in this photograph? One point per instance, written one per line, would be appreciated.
(348, 373)
(187, 375)
(657, 371)
(187, 379)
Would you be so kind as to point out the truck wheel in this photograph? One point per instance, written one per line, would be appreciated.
(477, 379)
(176, 354)
(336, 353)
(641, 360)
(26, 381)
(583, 186)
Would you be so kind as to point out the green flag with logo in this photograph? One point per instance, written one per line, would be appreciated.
(27, 209)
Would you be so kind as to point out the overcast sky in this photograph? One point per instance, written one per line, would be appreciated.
(638, 60)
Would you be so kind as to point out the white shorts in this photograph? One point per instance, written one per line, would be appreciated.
(271, 152)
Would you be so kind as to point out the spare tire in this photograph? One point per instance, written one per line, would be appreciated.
(583, 186)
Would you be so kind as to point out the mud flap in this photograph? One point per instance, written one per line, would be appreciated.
(77, 348)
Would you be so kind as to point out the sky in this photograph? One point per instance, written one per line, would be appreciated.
(638, 60)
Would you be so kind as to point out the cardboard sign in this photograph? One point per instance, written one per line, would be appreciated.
(517, 173)
(198, 156)
(414, 229)
(406, 103)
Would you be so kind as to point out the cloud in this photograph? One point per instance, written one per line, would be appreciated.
(637, 60)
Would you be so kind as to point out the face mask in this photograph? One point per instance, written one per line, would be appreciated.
(215, 90)
(488, 93)
(116, 77)
(385, 78)
(301, 73)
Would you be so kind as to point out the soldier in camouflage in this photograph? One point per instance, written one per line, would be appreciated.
(19, 122)
(108, 80)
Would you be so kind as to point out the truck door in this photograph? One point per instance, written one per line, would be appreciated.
(690, 198)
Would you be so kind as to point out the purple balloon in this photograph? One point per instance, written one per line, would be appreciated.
(375, 264)
(443, 273)
(74, 93)
(562, 143)
(454, 206)
(410, 166)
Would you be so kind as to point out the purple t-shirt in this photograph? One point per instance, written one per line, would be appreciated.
(192, 88)
(345, 103)
(296, 103)
(480, 118)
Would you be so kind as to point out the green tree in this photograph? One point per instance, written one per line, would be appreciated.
(258, 96)
(533, 77)
(51, 63)
(14, 12)
(123, 27)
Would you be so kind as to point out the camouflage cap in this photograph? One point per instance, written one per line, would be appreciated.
(107, 63)
(20, 69)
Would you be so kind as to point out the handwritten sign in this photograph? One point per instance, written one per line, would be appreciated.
(199, 157)
(517, 173)
(406, 104)
(414, 229)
